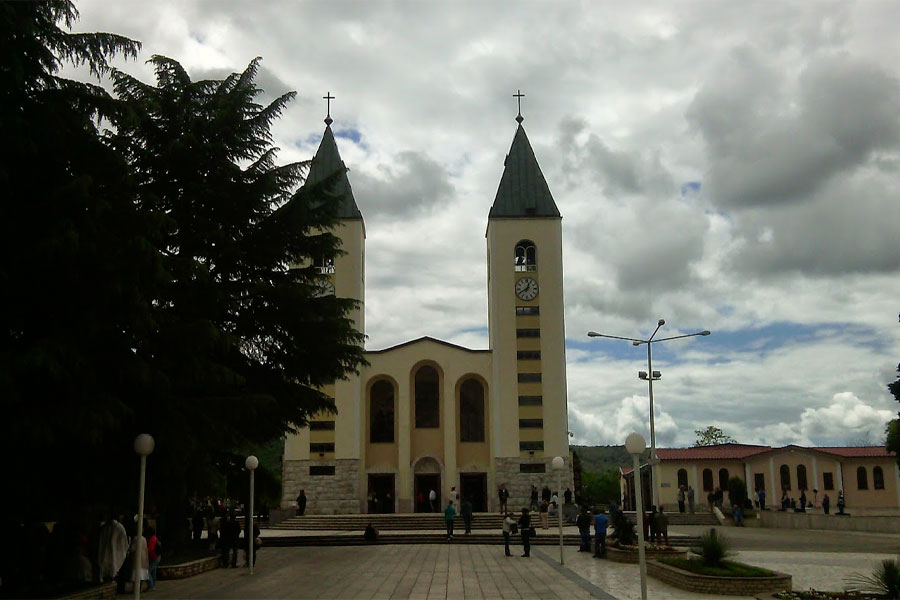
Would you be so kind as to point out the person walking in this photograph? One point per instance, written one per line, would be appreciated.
(826, 503)
(601, 522)
(584, 529)
(432, 500)
(567, 496)
(301, 503)
(840, 502)
(509, 527)
(690, 499)
(466, 511)
(449, 517)
(503, 494)
(545, 514)
(662, 526)
(154, 554)
(525, 530)
(802, 500)
(762, 499)
(546, 494)
(711, 500)
(681, 499)
(534, 497)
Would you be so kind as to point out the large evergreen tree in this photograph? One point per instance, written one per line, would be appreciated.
(147, 279)
(78, 271)
(242, 342)
(893, 427)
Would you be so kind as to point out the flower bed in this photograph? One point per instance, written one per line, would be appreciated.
(629, 554)
(743, 585)
(818, 595)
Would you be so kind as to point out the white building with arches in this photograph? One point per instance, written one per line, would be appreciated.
(430, 415)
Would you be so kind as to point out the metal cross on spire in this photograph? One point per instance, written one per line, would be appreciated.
(518, 96)
(328, 98)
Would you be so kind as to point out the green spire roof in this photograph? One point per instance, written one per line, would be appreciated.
(523, 191)
(326, 161)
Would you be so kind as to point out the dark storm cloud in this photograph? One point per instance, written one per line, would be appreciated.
(416, 183)
(771, 142)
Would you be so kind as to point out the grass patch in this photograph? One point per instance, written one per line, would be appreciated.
(726, 569)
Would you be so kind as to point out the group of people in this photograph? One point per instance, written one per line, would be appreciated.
(522, 526)
(229, 541)
(803, 503)
(600, 522)
(685, 496)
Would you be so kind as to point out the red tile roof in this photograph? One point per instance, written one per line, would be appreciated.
(716, 452)
(741, 451)
(858, 451)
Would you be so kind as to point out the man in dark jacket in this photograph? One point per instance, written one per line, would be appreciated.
(584, 528)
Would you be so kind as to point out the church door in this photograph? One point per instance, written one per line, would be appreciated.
(425, 482)
(474, 487)
(382, 485)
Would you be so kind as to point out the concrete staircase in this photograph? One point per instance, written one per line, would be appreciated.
(428, 528)
(392, 522)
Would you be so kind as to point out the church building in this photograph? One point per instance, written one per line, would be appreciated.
(431, 415)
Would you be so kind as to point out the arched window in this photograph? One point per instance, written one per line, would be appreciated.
(877, 478)
(862, 479)
(526, 256)
(785, 477)
(801, 477)
(723, 479)
(471, 411)
(428, 413)
(381, 412)
(682, 477)
(707, 480)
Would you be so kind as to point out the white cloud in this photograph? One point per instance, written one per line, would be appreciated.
(785, 113)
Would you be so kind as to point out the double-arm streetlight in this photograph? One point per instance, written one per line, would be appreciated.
(650, 376)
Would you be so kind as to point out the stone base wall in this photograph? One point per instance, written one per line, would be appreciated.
(325, 494)
(104, 591)
(188, 569)
(720, 586)
(632, 556)
(506, 470)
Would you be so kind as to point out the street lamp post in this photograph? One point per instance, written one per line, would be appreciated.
(650, 376)
(635, 445)
(559, 466)
(251, 463)
(143, 445)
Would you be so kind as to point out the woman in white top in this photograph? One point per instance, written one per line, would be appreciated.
(509, 524)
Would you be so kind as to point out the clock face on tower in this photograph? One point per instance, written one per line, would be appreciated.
(527, 288)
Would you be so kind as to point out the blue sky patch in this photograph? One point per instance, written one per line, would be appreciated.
(690, 187)
(351, 134)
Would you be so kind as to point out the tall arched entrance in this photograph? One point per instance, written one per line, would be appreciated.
(427, 478)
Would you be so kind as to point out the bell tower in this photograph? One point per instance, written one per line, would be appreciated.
(526, 322)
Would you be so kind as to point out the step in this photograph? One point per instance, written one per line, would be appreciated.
(542, 539)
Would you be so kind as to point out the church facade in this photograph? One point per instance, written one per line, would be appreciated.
(431, 415)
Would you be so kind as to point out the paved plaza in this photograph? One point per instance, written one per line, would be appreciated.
(429, 571)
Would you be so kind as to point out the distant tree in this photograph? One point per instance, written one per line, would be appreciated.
(892, 431)
(712, 435)
(600, 489)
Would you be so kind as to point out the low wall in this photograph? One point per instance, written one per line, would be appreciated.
(721, 586)
(188, 569)
(793, 520)
(278, 515)
(104, 591)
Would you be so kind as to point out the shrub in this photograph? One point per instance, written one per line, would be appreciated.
(713, 548)
(624, 531)
(884, 581)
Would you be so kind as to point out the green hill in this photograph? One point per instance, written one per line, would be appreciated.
(600, 459)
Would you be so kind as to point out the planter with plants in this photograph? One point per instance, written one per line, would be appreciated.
(623, 545)
(710, 573)
(884, 582)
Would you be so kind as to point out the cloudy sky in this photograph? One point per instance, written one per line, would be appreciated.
(725, 166)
